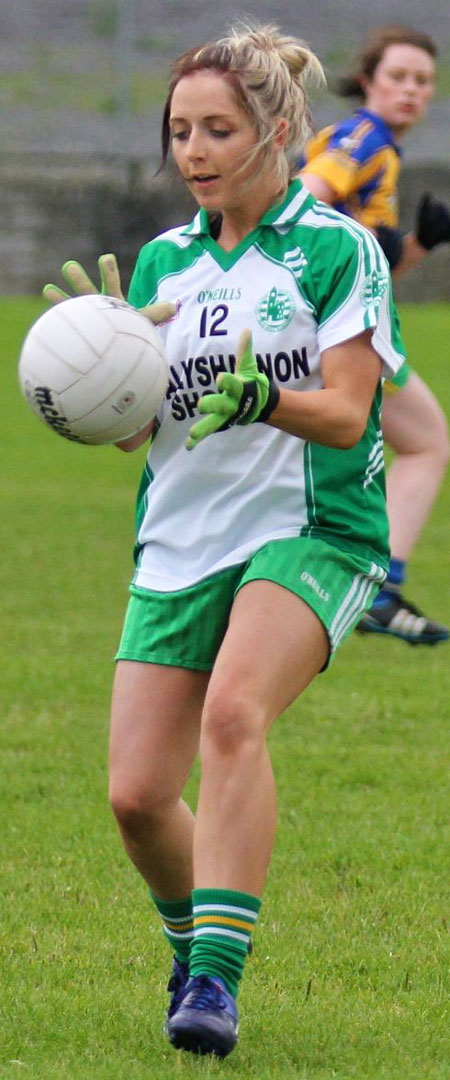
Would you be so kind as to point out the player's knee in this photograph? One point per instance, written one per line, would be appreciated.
(135, 808)
(232, 723)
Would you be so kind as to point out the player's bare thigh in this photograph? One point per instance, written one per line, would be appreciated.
(155, 726)
(274, 646)
(413, 421)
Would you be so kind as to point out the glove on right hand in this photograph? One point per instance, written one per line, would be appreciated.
(82, 285)
(432, 222)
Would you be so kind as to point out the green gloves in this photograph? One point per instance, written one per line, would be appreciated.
(245, 396)
(82, 285)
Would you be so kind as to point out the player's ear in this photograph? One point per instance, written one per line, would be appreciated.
(365, 83)
(281, 132)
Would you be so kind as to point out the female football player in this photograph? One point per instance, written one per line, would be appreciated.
(354, 165)
(262, 529)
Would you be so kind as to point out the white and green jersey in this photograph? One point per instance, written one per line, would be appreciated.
(305, 279)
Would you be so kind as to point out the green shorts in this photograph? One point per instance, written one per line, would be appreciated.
(399, 381)
(186, 628)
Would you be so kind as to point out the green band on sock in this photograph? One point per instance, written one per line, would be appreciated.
(223, 925)
(228, 897)
(178, 924)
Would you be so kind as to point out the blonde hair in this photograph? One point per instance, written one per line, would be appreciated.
(268, 72)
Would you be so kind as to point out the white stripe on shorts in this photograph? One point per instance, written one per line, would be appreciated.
(354, 603)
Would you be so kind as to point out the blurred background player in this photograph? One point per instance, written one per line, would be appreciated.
(354, 165)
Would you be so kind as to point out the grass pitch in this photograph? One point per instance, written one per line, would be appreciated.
(350, 973)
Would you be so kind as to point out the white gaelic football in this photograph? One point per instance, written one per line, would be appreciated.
(93, 369)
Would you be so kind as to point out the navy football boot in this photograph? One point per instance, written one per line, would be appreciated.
(176, 987)
(206, 1020)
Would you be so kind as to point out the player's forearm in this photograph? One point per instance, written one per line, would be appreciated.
(135, 441)
(412, 255)
(322, 416)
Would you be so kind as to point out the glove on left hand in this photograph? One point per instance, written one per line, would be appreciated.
(432, 222)
(82, 285)
(391, 242)
(245, 396)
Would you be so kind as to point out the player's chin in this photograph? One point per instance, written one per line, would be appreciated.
(207, 194)
(407, 116)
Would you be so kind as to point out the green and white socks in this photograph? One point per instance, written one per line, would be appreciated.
(178, 925)
(212, 931)
(223, 926)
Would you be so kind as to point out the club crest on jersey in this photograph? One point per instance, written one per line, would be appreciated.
(374, 288)
(275, 309)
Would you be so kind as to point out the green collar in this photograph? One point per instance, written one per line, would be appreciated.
(285, 213)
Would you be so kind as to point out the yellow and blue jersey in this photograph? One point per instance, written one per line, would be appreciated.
(360, 160)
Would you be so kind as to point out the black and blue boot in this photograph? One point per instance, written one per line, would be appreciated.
(206, 1020)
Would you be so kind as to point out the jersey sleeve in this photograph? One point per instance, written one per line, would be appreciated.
(143, 285)
(134, 291)
(339, 155)
(354, 294)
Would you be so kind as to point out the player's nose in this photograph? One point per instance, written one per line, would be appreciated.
(195, 148)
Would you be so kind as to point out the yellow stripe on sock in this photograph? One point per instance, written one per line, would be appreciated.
(179, 927)
(220, 920)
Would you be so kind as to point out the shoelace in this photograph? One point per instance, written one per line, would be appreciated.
(205, 995)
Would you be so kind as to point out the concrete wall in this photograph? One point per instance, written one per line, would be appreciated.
(73, 208)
